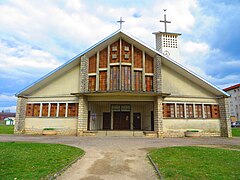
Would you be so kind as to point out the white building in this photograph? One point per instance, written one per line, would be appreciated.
(234, 91)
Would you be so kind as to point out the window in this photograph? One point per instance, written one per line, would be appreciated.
(72, 109)
(36, 110)
(29, 110)
(138, 80)
(103, 80)
(198, 111)
(189, 110)
(45, 109)
(53, 110)
(114, 78)
(126, 78)
(149, 83)
(62, 109)
(33, 110)
(207, 109)
(180, 110)
(215, 111)
(169, 110)
(92, 83)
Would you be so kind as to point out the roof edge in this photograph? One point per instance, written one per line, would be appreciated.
(65, 64)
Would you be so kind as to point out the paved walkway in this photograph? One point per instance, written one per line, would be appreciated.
(116, 157)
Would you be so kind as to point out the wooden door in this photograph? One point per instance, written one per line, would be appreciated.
(125, 120)
(106, 120)
(88, 122)
(136, 121)
(152, 121)
(121, 120)
(116, 120)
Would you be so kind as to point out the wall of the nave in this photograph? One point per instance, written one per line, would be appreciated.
(64, 85)
(66, 126)
(177, 127)
(176, 84)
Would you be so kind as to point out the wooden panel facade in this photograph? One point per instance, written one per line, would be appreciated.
(117, 64)
(126, 52)
(138, 58)
(92, 83)
(103, 58)
(92, 64)
(103, 80)
(148, 64)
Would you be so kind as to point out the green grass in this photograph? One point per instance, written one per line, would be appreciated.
(236, 132)
(197, 163)
(33, 160)
(6, 129)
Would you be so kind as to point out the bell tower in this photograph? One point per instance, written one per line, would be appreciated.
(167, 42)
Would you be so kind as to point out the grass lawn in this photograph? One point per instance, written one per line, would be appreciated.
(6, 129)
(33, 160)
(197, 163)
(236, 132)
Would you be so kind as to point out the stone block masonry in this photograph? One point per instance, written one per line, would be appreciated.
(158, 116)
(82, 115)
(225, 122)
(157, 83)
(20, 116)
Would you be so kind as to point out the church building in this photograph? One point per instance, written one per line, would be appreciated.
(121, 85)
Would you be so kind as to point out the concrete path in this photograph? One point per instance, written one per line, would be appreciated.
(116, 157)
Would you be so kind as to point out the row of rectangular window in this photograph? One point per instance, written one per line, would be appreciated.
(179, 110)
(52, 110)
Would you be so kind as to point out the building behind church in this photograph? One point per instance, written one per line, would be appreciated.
(122, 84)
(234, 101)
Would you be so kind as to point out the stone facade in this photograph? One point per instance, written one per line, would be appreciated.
(83, 74)
(19, 127)
(158, 116)
(82, 115)
(225, 121)
(157, 83)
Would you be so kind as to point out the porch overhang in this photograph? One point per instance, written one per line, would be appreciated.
(122, 93)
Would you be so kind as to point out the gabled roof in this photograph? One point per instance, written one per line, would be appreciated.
(131, 39)
(232, 87)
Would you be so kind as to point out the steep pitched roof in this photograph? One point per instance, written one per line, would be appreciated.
(131, 39)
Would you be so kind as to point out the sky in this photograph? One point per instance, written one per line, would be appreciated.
(38, 36)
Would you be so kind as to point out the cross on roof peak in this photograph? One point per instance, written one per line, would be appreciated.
(165, 20)
(120, 22)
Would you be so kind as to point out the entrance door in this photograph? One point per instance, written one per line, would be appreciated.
(106, 120)
(136, 121)
(121, 120)
(152, 121)
(88, 122)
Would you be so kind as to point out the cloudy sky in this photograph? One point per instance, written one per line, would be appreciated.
(38, 36)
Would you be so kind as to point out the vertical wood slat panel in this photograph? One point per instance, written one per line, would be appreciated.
(117, 52)
(92, 83)
(137, 58)
(148, 64)
(29, 110)
(103, 80)
(149, 83)
(92, 64)
(103, 58)
(124, 52)
(215, 111)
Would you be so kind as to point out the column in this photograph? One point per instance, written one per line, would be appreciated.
(225, 122)
(19, 127)
(158, 116)
(157, 82)
(82, 115)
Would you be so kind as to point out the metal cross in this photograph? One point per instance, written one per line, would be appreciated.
(165, 20)
(120, 22)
